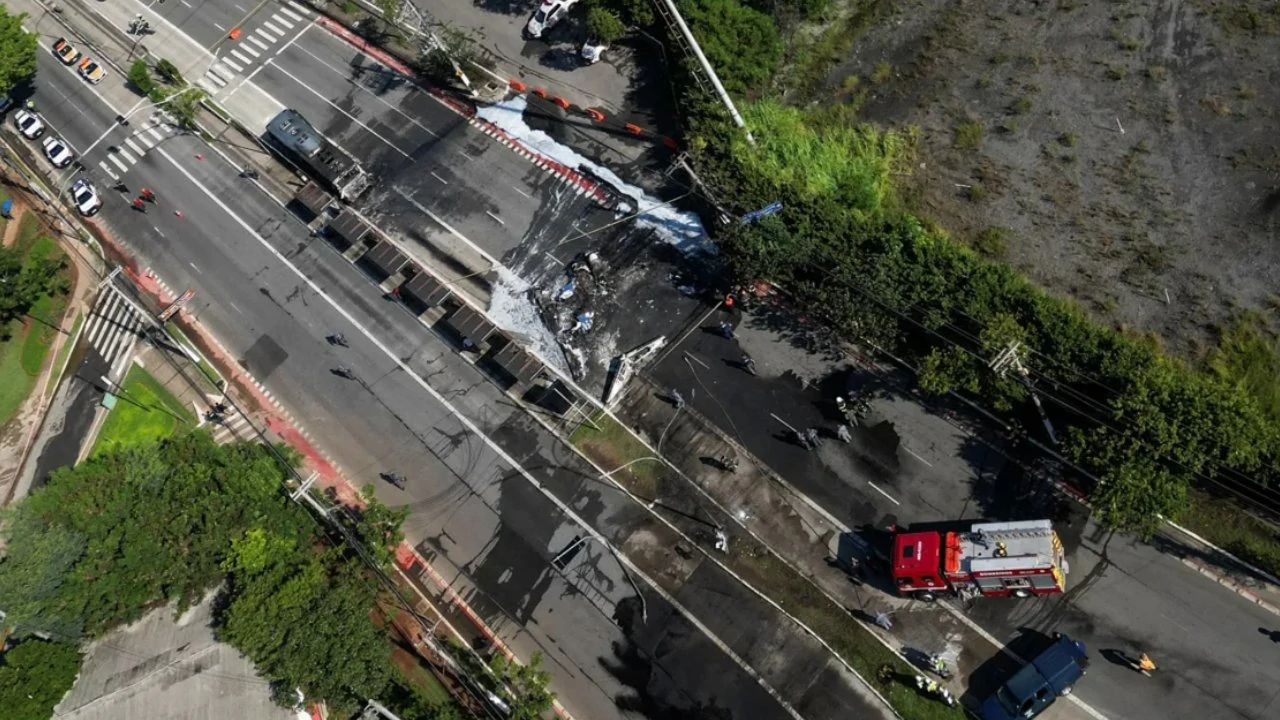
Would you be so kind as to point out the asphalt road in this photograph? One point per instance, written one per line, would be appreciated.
(486, 528)
(909, 464)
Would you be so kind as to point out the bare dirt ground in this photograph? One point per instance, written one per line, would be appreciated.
(1128, 148)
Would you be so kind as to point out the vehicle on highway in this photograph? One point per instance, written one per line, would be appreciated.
(92, 71)
(28, 124)
(547, 15)
(55, 148)
(1033, 689)
(290, 133)
(1017, 559)
(86, 198)
(65, 51)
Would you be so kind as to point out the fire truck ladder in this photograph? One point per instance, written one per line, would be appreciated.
(677, 37)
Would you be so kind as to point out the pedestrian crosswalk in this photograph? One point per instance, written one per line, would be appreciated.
(234, 426)
(250, 48)
(154, 131)
(113, 329)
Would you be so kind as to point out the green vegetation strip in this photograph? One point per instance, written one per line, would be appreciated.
(15, 383)
(60, 362)
(207, 370)
(612, 446)
(144, 412)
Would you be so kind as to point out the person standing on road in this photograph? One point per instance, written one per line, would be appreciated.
(814, 438)
(677, 398)
(843, 433)
(726, 329)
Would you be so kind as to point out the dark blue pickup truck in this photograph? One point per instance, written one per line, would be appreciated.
(1034, 688)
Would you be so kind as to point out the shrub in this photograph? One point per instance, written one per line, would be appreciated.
(992, 242)
(140, 76)
(604, 26)
(169, 72)
(743, 45)
(1021, 106)
(882, 73)
(968, 136)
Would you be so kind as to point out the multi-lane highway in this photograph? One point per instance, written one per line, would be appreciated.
(478, 469)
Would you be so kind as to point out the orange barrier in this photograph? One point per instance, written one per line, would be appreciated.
(540, 92)
(635, 129)
(517, 85)
(670, 143)
(234, 34)
(564, 104)
(594, 114)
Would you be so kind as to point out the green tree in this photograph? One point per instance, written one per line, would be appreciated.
(377, 527)
(604, 26)
(947, 370)
(303, 618)
(34, 675)
(17, 51)
(743, 45)
(391, 10)
(185, 105)
(528, 684)
(24, 280)
(140, 76)
(38, 556)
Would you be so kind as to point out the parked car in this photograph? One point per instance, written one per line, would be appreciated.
(55, 148)
(65, 51)
(92, 71)
(86, 198)
(592, 51)
(548, 14)
(28, 124)
(1031, 690)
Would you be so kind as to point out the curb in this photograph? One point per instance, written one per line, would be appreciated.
(1234, 585)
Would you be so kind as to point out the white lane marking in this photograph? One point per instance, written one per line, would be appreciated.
(208, 86)
(283, 21)
(502, 454)
(216, 79)
(155, 133)
(184, 2)
(134, 147)
(118, 162)
(266, 25)
(495, 217)
(346, 77)
(193, 267)
(251, 51)
(297, 8)
(220, 28)
(241, 57)
(257, 42)
(103, 164)
(127, 157)
(916, 455)
(233, 307)
(450, 229)
(290, 13)
(442, 180)
(513, 187)
(877, 489)
(146, 140)
(335, 107)
(232, 64)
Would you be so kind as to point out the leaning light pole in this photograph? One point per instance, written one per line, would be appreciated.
(706, 67)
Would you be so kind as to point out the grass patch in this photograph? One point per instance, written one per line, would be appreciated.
(29, 228)
(15, 383)
(1115, 73)
(1021, 106)
(1248, 356)
(145, 412)
(810, 63)
(882, 73)
(1240, 534)
(612, 447)
(992, 242)
(968, 136)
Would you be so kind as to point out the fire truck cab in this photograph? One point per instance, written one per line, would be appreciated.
(1018, 559)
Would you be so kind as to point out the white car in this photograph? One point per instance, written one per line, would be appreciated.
(86, 197)
(55, 148)
(28, 124)
(550, 13)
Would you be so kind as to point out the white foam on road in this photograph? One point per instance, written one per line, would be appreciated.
(511, 310)
(682, 229)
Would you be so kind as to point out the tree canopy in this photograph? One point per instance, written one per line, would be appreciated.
(17, 51)
(34, 675)
(24, 279)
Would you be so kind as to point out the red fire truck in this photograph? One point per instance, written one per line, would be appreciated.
(993, 559)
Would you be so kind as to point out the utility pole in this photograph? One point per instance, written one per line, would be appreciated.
(673, 16)
(1010, 357)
